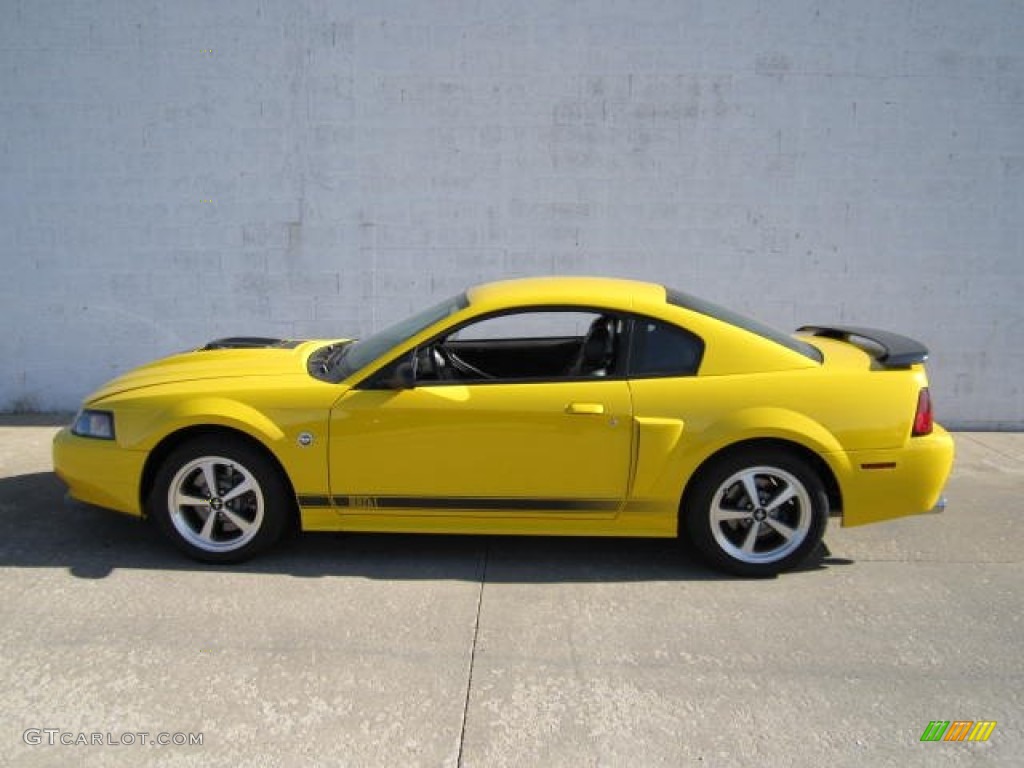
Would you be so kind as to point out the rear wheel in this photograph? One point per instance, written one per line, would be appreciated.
(757, 512)
(219, 500)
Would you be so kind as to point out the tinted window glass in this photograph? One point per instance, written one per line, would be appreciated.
(539, 344)
(528, 325)
(660, 349)
(686, 301)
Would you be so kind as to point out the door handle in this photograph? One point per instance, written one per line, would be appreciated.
(585, 409)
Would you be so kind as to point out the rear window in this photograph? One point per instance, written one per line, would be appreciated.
(694, 304)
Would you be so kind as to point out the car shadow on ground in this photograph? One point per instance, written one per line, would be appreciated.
(40, 529)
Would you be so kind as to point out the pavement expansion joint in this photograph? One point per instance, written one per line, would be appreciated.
(472, 651)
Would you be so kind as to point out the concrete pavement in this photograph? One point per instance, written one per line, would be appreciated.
(367, 650)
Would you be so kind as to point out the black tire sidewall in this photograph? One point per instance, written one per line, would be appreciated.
(697, 510)
(267, 475)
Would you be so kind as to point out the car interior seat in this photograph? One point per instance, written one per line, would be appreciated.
(597, 353)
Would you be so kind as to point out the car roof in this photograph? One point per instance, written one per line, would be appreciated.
(598, 291)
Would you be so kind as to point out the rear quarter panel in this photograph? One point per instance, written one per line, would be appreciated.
(836, 412)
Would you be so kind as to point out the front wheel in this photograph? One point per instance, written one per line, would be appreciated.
(219, 500)
(757, 513)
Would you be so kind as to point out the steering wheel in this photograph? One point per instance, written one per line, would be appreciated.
(443, 368)
(451, 366)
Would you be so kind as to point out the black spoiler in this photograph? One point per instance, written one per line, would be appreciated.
(896, 351)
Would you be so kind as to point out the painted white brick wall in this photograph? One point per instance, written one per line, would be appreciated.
(173, 172)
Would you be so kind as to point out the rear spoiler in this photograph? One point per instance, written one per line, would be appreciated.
(896, 351)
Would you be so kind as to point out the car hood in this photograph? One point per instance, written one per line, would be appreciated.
(224, 358)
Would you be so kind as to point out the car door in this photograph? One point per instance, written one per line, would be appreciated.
(560, 444)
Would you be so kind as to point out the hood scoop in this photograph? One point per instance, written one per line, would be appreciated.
(250, 342)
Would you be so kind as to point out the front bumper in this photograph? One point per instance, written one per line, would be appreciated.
(99, 472)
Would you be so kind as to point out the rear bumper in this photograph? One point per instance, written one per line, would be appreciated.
(885, 484)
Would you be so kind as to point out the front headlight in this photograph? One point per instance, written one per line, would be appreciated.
(98, 424)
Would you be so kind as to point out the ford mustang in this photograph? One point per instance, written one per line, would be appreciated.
(546, 406)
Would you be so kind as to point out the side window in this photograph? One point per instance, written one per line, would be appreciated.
(541, 344)
(527, 325)
(661, 349)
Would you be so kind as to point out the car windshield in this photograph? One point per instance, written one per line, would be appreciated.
(365, 351)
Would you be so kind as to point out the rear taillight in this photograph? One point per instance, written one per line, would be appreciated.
(923, 417)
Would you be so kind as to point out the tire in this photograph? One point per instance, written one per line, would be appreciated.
(761, 538)
(247, 514)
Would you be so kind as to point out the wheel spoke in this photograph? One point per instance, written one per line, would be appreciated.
(243, 487)
(182, 499)
(207, 530)
(722, 514)
(751, 537)
(210, 475)
(750, 486)
(781, 499)
(783, 530)
(240, 522)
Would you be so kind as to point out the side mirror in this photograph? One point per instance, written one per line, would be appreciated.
(404, 378)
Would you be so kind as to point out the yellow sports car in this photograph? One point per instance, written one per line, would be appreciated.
(548, 406)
